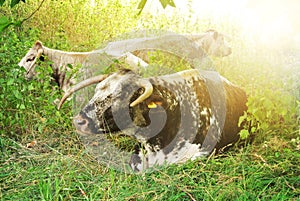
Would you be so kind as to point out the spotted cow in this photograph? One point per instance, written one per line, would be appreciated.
(175, 117)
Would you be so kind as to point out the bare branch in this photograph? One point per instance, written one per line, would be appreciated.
(33, 12)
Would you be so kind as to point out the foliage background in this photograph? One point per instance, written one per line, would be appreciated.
(59, 168)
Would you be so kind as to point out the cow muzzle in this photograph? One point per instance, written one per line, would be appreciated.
(85, 125)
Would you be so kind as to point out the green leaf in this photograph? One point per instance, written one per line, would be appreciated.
(18, 95)
(244, 134)
(18, 23)
(14, 2)
(22, 107)
(2, 2)
(171, 3)
(242, 119)
(264, 125)
(40, 128)
(142, 5)
(30, 87)
(164, 3)
(253, 129)
(4, 23)
(70, 66)
(10, 81)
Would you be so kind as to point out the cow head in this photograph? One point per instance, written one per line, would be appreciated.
(115, 96)
(214, 44)
(29, 60)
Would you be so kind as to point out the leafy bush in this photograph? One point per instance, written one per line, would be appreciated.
(83, 29)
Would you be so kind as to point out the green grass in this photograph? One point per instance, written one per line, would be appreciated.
(58, 167)
(252, 173)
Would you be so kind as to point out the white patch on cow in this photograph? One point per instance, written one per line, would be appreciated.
(140, 138)
(205, 111)
(179, 154)
(214, 121)
(187, 152)
(143, 165)
(200, 154)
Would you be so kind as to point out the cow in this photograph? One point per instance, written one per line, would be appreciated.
(212, 42)
(133, 51)
(175, 117)
(61, 61)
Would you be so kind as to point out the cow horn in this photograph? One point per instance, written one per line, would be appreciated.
(148, 91)
(81, 85)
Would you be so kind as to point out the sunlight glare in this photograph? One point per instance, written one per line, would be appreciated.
(269, 22)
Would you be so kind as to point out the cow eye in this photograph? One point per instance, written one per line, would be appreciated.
(30, 59)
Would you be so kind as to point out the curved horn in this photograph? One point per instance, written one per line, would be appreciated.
(81, 85)
(148, 91)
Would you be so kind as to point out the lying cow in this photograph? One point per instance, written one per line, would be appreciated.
(176, 117)
(133, 50)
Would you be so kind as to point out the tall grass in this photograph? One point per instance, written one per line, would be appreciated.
(58, 167)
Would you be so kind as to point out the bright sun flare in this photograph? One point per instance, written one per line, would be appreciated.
(270, 21)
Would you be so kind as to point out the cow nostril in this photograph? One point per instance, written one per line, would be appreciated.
(81, 122)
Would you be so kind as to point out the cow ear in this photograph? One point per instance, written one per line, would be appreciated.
(215, 35)
(151, 105)
(38, 45)
(154, 104)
